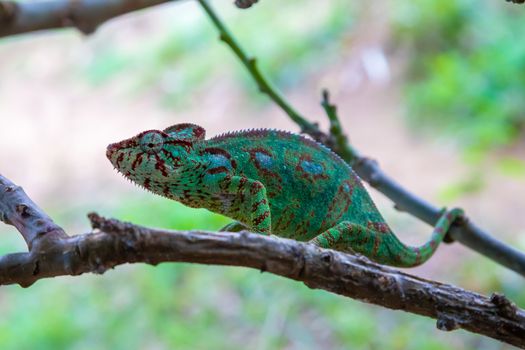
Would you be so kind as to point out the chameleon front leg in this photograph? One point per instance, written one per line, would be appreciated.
(251, 194)
(234, 226)
(382, 245)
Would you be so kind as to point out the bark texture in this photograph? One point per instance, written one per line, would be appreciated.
(112, 242)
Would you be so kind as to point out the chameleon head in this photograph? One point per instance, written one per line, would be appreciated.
(152, 159)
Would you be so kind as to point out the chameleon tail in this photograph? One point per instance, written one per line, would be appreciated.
(406, 256)
(380, 244)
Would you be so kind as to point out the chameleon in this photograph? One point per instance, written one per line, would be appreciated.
(270, 182)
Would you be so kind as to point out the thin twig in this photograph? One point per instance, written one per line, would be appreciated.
(468, 234)
(251, 64)
(338, 138)
(114, 243)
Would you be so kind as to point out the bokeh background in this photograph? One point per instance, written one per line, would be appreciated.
(432, 89)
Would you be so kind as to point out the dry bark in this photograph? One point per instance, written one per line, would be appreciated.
(84, 15)
(53, 253)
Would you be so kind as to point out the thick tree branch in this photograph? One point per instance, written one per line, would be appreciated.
(113, 243)
(17, 209)
(368, 169)
(84, 15)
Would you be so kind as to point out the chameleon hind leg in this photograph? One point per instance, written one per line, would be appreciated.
(251, 196)
(379, 243)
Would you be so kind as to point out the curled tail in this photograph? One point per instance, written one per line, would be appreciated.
(380, 244)
(406, 256)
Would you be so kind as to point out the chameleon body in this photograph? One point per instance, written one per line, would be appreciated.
(271, 182)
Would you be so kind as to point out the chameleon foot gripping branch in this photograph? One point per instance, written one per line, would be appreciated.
(272, 182)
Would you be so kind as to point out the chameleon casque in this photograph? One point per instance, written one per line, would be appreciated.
(271, 182)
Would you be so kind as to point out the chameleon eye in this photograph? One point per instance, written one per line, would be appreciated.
(152, 142)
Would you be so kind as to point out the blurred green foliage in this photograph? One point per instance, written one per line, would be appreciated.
(512, 167)
(184, 306)
(466, 68)
(469, 184)
(188, 54)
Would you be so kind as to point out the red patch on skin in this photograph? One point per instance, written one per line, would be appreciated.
(220, 169)
(119, 159)
(340, 196)
(255, 187)
(137, 160)
(378, 227)
(129, 143)
(330, 238)
(174, 160)
(161, 166)
(256, 204)
(198, 132)
(242, 182)
(261, 218)
(356, 231)
(186, 144)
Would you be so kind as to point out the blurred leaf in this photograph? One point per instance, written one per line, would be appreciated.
(470, 185)
(512, 167)
(184, 56)
(464, 80)
(106, 66)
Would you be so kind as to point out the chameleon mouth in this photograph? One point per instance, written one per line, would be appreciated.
(115, 149)
(115, 154)
(111, 149)
(119, 146)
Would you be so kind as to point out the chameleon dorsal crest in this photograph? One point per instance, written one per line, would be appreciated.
(186, 131)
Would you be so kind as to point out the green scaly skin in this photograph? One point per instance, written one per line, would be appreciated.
(271, 182)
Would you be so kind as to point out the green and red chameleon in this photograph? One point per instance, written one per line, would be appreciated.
(270, 182)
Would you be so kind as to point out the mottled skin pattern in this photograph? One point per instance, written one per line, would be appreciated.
(271, 182)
